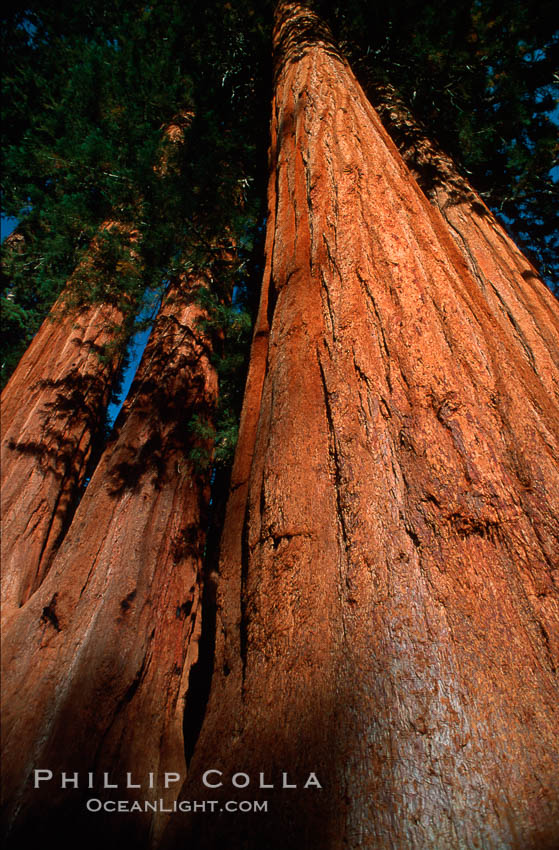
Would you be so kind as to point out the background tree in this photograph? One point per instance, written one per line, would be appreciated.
(90, 144)
(178, 375)
(53, 414)
(98, 659)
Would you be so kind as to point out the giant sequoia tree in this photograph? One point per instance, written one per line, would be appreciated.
(53, 414)
(387, 603)
(383, 644)
(120, 606)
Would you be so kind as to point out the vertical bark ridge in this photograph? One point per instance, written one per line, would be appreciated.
(96, 663)
(398, 608)
(507, 279)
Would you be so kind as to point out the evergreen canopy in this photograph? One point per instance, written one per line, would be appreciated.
(89, 89)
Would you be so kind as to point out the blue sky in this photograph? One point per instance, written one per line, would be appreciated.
(6, 226)
(135, 350)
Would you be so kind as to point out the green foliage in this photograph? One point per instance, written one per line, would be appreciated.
(229, 326)
(202, 435)
(480, 75)
(231, 369)
(88, 93)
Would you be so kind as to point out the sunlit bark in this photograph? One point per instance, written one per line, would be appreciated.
(53, 410)
(387, 606)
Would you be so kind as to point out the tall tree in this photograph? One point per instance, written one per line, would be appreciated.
(54, 405)
(82, 157)
(53, 415)
(137, 641)
(387, 606)
(96, 664)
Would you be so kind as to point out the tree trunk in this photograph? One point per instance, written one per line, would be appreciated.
(387, 606)
(97, 661)
(53, 413)
(53, 410)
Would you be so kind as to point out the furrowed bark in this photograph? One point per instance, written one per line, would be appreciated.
(53, 410)
(387, 606)
(505, 277)
(97, 662)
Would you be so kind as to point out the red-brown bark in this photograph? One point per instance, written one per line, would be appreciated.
(96, 663)
(53, 411)
(505, 277)
(387, 605)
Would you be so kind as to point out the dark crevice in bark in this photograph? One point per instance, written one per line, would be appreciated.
(410, 531)
(49, 614)
(279, 538)
(465, 248)
(325, 289)
(243, 625)
(335, 458)
(272, 300)
(384, 350)
(201, 672)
